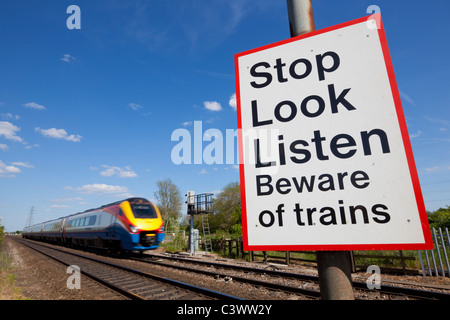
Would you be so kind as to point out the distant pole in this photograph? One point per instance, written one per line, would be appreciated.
(334, 266)
(30, 217)
(191, 210)
(191, 235)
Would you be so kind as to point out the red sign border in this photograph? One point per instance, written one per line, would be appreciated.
(406, 142)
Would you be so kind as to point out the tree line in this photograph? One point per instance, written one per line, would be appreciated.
(439, 218)
(2, 234)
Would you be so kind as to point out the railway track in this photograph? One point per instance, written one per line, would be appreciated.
(217, 274)
(309, 281)
(293, 284)
(131, 283)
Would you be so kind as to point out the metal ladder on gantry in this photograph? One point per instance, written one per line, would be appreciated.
(200, 204)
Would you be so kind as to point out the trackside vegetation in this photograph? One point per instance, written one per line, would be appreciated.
(8, 290)
(439, 218)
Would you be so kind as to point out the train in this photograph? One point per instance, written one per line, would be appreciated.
(133, 224)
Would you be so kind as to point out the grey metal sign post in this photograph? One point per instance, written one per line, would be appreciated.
(334, 266)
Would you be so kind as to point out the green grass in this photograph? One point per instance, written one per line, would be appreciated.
(8, 289)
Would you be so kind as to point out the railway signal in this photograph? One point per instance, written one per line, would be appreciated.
(200, 204)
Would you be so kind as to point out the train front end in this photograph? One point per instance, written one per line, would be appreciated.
(145, 225)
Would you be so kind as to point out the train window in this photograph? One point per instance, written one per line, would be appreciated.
(143, 211)
(92, 220)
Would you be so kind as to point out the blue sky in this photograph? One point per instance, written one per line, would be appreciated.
(86, 115)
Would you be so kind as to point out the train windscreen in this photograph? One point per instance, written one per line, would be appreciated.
(143, 211)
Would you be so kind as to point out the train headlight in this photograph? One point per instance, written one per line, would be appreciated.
(134, 229)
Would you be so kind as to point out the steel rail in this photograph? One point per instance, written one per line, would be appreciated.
(302, 291)
(104, 282)
(199, 290)
(388, 289)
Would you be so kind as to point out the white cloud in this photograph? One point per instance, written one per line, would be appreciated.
(187, 123)
(215, 192)
(8, 171)
(212, 105)
(415, 135)
(101, 189)
(8, 116)
(33, 146)
(407, 98)
(232, 101)
(59, 206)
(135, 106)
(23, 164)
(67, 199)
(58, 134)
(3, 147)
(122, 173)
(214, 18)
(203, 172)
(440, 121)
(34, 105)
(8, 130)
(68, 58)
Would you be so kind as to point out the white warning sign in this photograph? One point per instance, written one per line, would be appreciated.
(325, 157)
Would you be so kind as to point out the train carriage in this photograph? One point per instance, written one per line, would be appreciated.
(51, 230)
(33, 232)
(133, 224)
